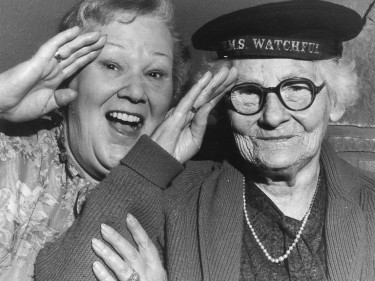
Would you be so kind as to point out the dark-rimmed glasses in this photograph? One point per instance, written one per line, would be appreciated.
(295, 94)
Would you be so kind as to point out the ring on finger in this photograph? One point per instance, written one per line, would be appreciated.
(58, 57)
(194, 110)
(134, 276)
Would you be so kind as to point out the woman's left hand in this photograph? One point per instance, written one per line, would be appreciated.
(129, 263)
(181, 133)
(31, 88)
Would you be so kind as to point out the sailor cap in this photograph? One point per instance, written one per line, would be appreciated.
(297, 29)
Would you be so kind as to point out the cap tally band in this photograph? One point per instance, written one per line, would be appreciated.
(267, 46)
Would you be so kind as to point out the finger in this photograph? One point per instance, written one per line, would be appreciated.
(88, 49)
(145, 245)
(122, 246)
(80, 46)
(217, 86)
(48, 49)
(18, 80)
(80, 63)
(199, 123)
(101, 272)
(186, 103)
(43, 69)
(120, 267)
(181, 115)
(64, 96)
(227, 85)
(218, 79)
(214, 101)
(72, 58)
(200, 120)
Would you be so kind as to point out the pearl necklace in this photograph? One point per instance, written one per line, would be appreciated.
(298, 236)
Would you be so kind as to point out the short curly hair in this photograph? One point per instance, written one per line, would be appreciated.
(88, 13)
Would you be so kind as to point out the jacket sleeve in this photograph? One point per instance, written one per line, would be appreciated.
(135, 186)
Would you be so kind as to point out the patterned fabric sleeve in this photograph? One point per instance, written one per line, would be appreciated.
(37, 194)
(30, 199)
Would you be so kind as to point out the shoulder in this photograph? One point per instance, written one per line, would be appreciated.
(366, 187)
(346, 181)
(29, 140)
(362, 184)
(197, 176)
(199, 171)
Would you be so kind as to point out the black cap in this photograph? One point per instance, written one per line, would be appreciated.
(298, 29)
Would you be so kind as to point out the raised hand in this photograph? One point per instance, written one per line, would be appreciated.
(181, 133)
(129, 263)
(29, 90)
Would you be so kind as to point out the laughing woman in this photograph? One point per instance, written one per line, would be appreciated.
(122, 68)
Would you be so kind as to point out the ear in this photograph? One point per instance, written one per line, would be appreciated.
(336, 112)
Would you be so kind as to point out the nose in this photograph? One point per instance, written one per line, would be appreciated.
(133, 90)
(274, 113)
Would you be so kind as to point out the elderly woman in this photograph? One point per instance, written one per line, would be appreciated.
(120, 91)
(285, 207)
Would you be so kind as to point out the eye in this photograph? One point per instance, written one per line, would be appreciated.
(299, 87)
(111, 66)
(156, 74)
(295, 86)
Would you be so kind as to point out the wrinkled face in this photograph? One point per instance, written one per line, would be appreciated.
(276, 138)
(123, 94)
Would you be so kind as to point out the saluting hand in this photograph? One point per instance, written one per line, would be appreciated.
(29, 90)
(181, 133)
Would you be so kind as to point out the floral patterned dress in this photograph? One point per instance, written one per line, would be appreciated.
(40, 193)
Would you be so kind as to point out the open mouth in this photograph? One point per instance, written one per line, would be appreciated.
(125, 122)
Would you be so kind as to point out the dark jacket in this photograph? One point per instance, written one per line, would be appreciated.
(197, 221)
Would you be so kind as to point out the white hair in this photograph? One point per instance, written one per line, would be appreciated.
(339, 75)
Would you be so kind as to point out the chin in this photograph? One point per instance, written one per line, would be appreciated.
(115, 160)
(276, 161)
(113, 156)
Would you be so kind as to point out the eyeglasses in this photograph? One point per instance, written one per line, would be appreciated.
(295, 94)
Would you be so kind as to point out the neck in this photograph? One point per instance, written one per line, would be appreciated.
(292, 193)
(73, 160)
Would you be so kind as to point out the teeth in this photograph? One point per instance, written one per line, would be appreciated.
(125, 117)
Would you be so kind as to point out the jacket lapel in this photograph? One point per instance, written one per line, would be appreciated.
(220, 226)
(345, 222)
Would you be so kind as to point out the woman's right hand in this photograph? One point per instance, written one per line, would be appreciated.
(181, 133)
(128, 262)
(29, 90)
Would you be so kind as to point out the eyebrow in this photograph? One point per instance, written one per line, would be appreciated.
(242, 78)
(116, 45)
(162, 54)
(299, 73)
(155, 53)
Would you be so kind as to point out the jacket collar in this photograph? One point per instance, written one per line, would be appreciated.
(220, 225)
(345, 226)
(342, 178)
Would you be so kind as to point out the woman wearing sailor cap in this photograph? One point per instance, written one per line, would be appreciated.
(283, 206)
